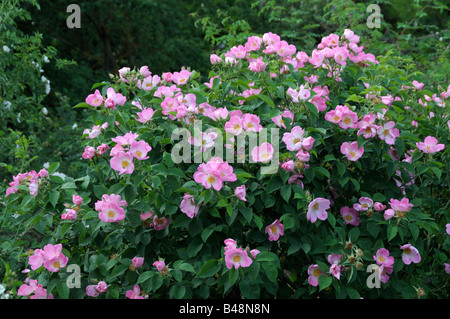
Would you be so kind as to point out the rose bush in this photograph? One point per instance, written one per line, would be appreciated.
(286, 175)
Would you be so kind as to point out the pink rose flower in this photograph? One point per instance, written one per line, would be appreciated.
(275, 230)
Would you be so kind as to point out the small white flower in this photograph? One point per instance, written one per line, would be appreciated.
(46, 165)
(46, 59)
(74, 126)
(7, 105)
(6, 49)
(44, 110)
(62, 175)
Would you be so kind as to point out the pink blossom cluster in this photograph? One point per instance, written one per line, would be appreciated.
(296, 141)
(386, 262)
(179, 78)
(333, 53)
(32, 180)
(180, 106)
(237, 256)
(110, 101)
(251, 91)
(125, 150)
(95, 131)
(136, 293)
(240, 122)
(51, 257)
(304, 92)
(149, 81)
(214, 173)
(296, 170)
(335, 268)
(96, 290)
(203, 140)
(91, 152)
(157, 223)
(398, 208)
(279, 119)
(110, 208)
(33, 290)
(71, 211)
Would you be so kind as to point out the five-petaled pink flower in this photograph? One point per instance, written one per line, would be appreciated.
(188, 206)
(237, 257)
(350, 216)
(275, 230)
(352, 151)
(317, 209)
(382, 257)
(388, 133)
(135, 293)
(410, 254)
(314, 273)
(263, 153)
(123, 163)
(430, 145)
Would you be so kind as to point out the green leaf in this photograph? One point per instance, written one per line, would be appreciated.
(312, 108)
(324, 282)
(266, 256)
(145, 276)
(53, 198)
(53, 167)
(322, 171)
(352, 293)
(391, 232)
(207, 232)
(286, 192)
(210, 268)
(341, 168)
(267, 99)
(353, 234)
(186, 267)
(414, 230)
(437, 172)
(233, 275)
(63, 290)
(81, 105)
(271, 271)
